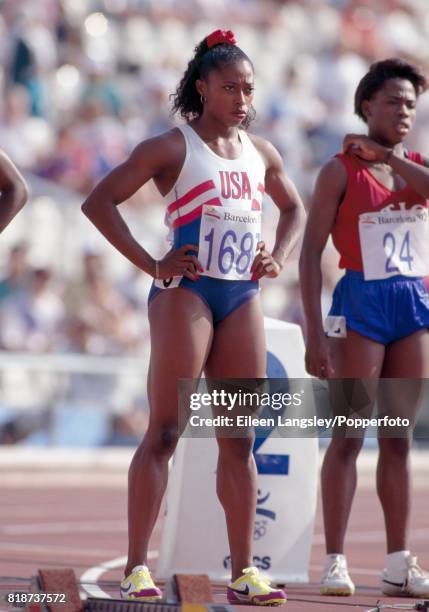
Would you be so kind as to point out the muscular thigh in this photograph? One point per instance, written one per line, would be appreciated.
(356, 356)
(181, 334)
(405, 366)
(408, 357)
(238, 349)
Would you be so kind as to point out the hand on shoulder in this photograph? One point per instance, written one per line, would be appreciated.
(365, 148)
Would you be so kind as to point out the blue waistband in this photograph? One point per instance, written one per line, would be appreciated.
(397, 277)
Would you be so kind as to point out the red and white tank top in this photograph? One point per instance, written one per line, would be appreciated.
(207, 178)
(216, 204)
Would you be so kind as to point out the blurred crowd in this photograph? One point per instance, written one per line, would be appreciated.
(39, 313)
(83, 81)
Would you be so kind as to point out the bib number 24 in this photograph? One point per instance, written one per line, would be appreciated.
(390, 247)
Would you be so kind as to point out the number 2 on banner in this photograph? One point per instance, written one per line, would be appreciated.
(389, 244)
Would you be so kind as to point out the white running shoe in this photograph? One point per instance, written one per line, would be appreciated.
(336, 579)
(412, 581)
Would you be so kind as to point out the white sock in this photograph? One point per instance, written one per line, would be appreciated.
(334, 556)
(397, 561)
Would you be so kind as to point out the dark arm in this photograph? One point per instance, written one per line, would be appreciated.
(328, 193)
(286, 197)
(414, 174)
(151, 159)
(14, 191)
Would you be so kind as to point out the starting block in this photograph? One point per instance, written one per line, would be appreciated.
(94, 604)
(187, 593)
(62, 586)
(191, 593)
(192, 589)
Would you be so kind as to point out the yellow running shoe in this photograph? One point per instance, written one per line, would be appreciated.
(139, 585)
(253, 589)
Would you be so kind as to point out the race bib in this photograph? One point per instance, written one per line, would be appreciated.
(228, 239)
(394, 242)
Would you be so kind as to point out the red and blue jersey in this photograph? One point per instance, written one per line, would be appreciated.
(365, 193)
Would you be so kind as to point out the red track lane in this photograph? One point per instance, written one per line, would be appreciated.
(68, 525)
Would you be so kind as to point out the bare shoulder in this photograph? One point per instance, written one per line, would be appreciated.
(167, 149)
(171, 139)
(268, 152)
(5, 162)
(9, 173)
(330, 189)
(333, 173)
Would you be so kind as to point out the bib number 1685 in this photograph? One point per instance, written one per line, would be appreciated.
(230, 253)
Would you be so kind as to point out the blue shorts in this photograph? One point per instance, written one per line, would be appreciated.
(383, 310)
(221, 296)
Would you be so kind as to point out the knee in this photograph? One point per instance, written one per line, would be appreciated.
(394, 448)
(162, 440)
(238, 449)
(346, 449)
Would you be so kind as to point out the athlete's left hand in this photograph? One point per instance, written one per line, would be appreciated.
(264, 264)
(364, 147)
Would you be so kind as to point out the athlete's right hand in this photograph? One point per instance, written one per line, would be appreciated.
(317, 357)
(178, 262)
(364, 147)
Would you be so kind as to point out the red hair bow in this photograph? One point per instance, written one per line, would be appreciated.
(221, 36)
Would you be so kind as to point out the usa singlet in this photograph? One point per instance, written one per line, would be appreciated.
(216, 203)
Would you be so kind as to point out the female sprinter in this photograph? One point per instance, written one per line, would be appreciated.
(204, 306)
(375, 208)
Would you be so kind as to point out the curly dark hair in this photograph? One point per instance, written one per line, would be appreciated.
(186, 100)
(379, 73)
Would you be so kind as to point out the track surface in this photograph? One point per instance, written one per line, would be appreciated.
(78, 520)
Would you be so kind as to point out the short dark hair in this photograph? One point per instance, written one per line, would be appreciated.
(379, 73)
(186, 100)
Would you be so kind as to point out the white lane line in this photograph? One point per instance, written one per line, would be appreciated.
(92, 574)
(65, 527)
(58, 550)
